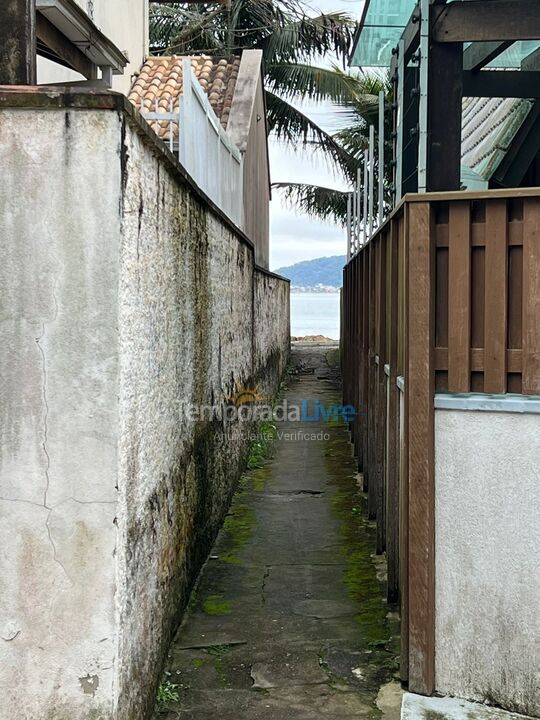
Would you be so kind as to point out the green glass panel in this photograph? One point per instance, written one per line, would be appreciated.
(383, 26)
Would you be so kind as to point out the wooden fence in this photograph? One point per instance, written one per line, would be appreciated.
(444, 298)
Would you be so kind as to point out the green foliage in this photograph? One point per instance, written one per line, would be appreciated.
(167, 692)
(259, 451)
(291, 41)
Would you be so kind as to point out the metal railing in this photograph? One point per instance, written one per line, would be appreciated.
(195, 134)
(364, 216)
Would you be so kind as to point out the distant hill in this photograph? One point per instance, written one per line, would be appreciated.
(327, 271)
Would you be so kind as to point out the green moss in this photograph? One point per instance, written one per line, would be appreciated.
(237, 529)
(216, 605)
(197, 663)
(379, 636)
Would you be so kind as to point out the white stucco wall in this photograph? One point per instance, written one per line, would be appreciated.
(125, 23)
(487, 567)
(123, 297)
(60, 237)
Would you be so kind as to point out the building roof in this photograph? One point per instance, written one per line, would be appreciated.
(160, 80)
(489, 126)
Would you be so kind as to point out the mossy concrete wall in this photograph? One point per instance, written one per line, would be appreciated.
(272, 330)
(126, 300)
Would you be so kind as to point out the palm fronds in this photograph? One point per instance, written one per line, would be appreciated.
(319, 202)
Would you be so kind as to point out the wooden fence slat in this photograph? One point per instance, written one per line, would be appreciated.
(419, 393)
(381, 397)
(496, 305)
(531, 297)
(392, 443)
(459, 298)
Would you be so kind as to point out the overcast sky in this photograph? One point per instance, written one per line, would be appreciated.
(294, 237)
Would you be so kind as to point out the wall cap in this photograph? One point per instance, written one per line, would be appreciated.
(483, 402)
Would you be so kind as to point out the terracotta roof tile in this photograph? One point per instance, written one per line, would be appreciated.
(160, 79)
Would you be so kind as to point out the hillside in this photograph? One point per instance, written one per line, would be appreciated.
(327, 271)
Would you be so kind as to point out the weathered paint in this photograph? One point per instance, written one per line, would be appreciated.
(487, 575)
(123, 295)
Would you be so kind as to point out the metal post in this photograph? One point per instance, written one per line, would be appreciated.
(171, 127)
(423, 112)
(381, 157)
(371, 176)
(366, 195)
(349, 209)
(358, 204)
(401, 113)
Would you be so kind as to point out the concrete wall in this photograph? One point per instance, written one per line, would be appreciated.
(124, 296)
(248, 130)
(272, 324)
(125, 23)
(487, 570)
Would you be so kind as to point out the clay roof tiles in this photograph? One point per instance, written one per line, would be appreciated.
(160, 80)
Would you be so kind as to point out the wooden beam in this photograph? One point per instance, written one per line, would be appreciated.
(531, 297)
(532, 61)
(420, 420)
(524, 147)
(445, 97)
(501, 84)
(487, 21)
(17, 42)
(59, 44)
(478, 55)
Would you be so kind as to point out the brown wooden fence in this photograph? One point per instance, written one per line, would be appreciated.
(445, 297)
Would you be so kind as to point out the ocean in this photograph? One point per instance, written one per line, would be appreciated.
(315, 314)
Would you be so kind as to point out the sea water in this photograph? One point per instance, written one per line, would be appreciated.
(315, 314)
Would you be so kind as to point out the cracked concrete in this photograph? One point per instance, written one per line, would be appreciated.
(289, 619)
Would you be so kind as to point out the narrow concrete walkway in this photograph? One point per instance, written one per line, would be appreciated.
(289, 618)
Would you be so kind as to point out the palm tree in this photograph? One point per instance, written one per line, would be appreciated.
(290, 40)
(327, 203)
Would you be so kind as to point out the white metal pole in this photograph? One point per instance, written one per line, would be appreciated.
(381, 157)
(354, 212)
(423, 111)
(358, 204)
(366, 194)
(371, 176)
(349, 210)
(401, 112)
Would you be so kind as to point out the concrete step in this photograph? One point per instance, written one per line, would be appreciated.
(418, 707)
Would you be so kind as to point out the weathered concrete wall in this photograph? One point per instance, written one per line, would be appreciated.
(60, 234)
(272, 329)
(487, 572)
(124, 297)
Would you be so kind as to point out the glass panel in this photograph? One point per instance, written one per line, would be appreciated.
(515, 54)
(383, 26)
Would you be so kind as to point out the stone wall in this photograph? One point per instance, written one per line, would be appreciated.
(272, 329)
(126, 300)
(487, 535)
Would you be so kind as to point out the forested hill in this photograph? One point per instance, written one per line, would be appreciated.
(325, 271)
